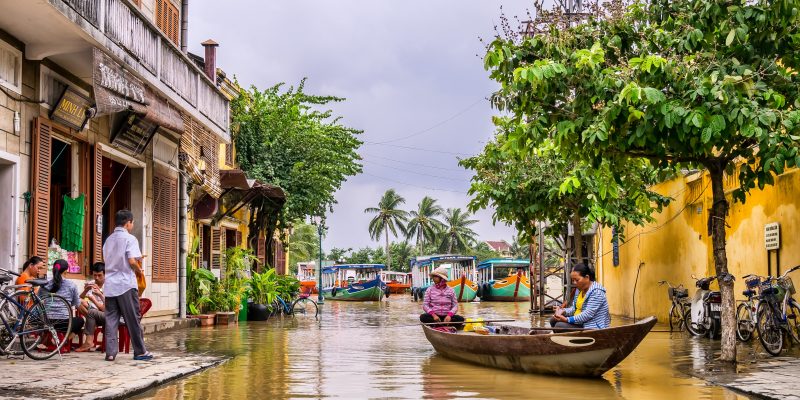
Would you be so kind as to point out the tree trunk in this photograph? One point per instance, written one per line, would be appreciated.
(716, 224)
(577, 230)
(420, 239)
(450, 245)
(388, 255)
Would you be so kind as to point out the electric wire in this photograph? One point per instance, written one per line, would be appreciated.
(367, 143)
(413, 185)
(454, 116)
(451, 178)
(415, 164)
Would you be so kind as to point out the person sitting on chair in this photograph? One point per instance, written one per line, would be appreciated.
(440, 304)
(69, 291)
(93, 305)
(589, 309)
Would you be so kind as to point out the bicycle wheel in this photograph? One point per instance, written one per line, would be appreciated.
(39, 327)
(675, 318)
(693, 328)
(793, 319)
(305, 307)
(769, 329)
(9, 313)
(744, 323)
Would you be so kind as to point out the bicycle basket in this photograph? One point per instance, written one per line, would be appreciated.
(788, 285)
(678, 293)
(753, 282)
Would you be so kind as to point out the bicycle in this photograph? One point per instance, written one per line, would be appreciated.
(26, 316)
(778, 313)
(678, 310)
(746, 312)
(305, 305)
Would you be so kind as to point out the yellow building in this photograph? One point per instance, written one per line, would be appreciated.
(677, 245)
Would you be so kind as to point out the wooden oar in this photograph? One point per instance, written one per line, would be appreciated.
(539, 328)
(468, 322)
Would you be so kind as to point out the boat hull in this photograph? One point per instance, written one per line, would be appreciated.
(398, 288)
(309, 286)
(466, 290)
(588, 353)
(512, 288)
(368, 291)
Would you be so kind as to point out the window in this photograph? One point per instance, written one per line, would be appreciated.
(165, 233)
(229, 154)
(10, 67)
(168, 20)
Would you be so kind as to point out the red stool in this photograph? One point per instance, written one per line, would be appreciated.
(124, 335)
(101, 344)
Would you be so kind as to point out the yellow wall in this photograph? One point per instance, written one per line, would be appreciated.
(677, 245)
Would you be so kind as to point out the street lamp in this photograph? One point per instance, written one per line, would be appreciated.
(319, 221)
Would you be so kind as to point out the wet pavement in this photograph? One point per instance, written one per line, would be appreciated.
(374, 350)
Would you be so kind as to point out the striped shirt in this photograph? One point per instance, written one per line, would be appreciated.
(594, 311)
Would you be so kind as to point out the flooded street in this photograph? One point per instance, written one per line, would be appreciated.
(368, 350)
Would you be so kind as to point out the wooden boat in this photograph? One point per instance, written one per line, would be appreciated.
(353, 282)
(396, 282)
(584, 353)
(307, 275)
(504, 279)
(461, 275)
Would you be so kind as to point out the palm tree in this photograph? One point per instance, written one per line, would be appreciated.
(423, 223)
(387, 218)
(519, 249)
(457, 234)
(303, 243)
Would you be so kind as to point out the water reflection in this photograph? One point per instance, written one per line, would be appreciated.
(368, 350)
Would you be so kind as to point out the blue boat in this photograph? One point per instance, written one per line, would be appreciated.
(353, 282)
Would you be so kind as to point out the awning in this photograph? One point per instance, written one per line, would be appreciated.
(239, 191)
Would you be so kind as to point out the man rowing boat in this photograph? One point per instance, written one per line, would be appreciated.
(440, 304)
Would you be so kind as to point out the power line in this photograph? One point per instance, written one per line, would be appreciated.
(416, 148)
(413, 185)
(454, 116)
(414, 172)
(415, 164)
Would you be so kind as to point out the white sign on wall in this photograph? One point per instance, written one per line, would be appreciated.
(772, 236)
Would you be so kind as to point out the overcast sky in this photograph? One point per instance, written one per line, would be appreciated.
(411, 74)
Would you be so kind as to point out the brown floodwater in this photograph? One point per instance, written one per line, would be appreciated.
(366, 350)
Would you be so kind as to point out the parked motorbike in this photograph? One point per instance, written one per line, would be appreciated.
(704, 315)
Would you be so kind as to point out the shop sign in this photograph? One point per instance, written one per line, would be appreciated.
(134, 134)
(72, 109)
(117, 90)
(772, 236)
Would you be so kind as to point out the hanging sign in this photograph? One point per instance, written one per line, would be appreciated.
(71, 109)
(134, 134)
(772, 236)
(117, 90)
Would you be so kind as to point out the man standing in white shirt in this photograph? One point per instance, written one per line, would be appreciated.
(122, 256)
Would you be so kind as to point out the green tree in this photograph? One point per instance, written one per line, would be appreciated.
(457, 234)
(364, 255)
(387, 218)
(283, 138)
(683, 83)
(520, 249)
(423, 223)
(336, 254)
(303, 244)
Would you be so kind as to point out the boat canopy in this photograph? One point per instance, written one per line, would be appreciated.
(503, 263)
(427, 260)
(457, 266)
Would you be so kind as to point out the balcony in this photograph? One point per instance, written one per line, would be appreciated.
(65, 31)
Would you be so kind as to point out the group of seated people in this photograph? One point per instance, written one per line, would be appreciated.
(89, 303)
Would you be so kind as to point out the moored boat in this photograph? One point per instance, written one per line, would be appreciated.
(396, 282)
(460, 271)
(307, 275)
(504, 279)
(353, 282)
(582, 353)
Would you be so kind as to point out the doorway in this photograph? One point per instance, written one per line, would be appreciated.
(8, 209)
(116, 192)
(60, 184)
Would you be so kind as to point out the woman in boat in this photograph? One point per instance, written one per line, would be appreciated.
(589, 307)
(440, 304)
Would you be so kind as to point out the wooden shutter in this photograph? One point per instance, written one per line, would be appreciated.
(261, 252)
(200, 246)
(238, 239)
(216, 247)
(168, 20)
(40, 184)
(280, 258)
(229, 154)
(165, 233)
(97, 204)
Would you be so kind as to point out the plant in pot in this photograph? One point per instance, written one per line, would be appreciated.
(263, 291)
(288, 287)
(200, 283)
(224, 303)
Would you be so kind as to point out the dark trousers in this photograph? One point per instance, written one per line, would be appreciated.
(426, 318)
(61, 325)
(559, 324)
(125, 305)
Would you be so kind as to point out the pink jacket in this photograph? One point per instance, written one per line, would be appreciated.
(440, 301)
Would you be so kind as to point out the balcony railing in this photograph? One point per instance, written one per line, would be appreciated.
(144, 41)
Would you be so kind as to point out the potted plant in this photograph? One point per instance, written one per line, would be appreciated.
(224, 304)
(262, 291)
(200, 282)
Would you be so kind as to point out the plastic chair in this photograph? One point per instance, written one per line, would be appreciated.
(124, 335)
